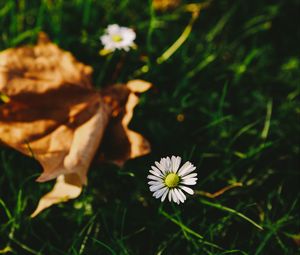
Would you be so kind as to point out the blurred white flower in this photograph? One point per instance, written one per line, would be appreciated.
(166, 179)
(116, 37)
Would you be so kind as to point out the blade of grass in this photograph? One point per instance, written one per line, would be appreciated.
(230, 210)
(266, 128)
(187, 229)
(176, 45)
(8, 213)
(105, 246)
(25, 247)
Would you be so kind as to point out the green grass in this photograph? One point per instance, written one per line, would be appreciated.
(235, 79)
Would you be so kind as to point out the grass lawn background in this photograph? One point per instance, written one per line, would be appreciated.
(227, 100)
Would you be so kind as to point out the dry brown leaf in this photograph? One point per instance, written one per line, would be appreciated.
(120, 143)
(40, 68)
(164, 5)
(54, 115)
(62, 191)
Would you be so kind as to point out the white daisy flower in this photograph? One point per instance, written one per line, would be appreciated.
(116, 37)
(167, 179)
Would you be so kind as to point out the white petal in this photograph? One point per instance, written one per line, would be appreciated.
(189, 176)
(154, 182)
(156, 187)
(160, 166)
(187, 190)
(190, 181)
(163, 163)
(175, 163)
(170, 195)
(183, 167)
(152, 177)
(113, 29)
(191, 169)
(166, 162)
(105, 39)
(128, 33)
(174, 198)
(179, 196)
(155, 173)
(186, 168)
(155, 169)
(182, 194)
(164, 195)
(159, 193)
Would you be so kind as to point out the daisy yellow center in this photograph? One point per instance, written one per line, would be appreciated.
(172, 180)
(116, 38)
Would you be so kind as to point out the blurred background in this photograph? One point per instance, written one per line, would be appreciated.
(225, 97)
